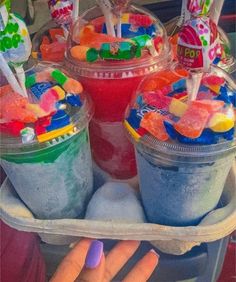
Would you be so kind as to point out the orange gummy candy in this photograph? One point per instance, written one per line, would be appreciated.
(79, 52)
(193, 121)
(54, 32)
(209, 105)
(73, 86)
(88, 37)
(153, 123)
(13, 107)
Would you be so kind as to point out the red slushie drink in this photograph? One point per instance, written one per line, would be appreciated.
(111, 68)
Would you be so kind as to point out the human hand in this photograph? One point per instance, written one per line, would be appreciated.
(86, 262)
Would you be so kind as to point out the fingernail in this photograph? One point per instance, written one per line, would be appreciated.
(94, 254)
(153, 251)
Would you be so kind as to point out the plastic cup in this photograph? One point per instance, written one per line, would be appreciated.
(181, 182)
(111, 84)
(53, 177)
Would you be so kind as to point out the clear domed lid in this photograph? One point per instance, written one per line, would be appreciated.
(138, 40)
(161, 115)
(55, 108)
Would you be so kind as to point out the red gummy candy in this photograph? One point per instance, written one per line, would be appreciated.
(213, 80)
(193, 121)
(157, 100)
(140, 20)
(158, 41)
(45, 40)
(209, 105)
(54, 32)
(12, 128)
(153, 123)
(53, 52)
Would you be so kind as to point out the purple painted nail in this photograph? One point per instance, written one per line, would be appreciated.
(94, 254)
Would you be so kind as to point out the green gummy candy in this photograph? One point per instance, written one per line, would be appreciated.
(141, 40)
(118, 50)
(59, 76)
(30, 81)
(92, 55)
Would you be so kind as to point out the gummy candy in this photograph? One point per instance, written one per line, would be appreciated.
(157, 100)
(12, 128)
(192, 123)
(177, 107)
(209, 105)
(153, 123)
(220, 122)
(88, 37)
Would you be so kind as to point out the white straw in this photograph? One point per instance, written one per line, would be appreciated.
(21, 78)
(193, 84)
(119, 28)
(216, 10)
(7, 72)
(106, 8)
(75, 13)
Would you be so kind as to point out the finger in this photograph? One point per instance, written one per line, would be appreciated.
(72, 264)
(118, 257)
(143, 268)
(95, 274)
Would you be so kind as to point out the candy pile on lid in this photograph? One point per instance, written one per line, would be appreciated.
(162, 109)
(52, 47)
(53, 42)
(139, 33)
(47, 113)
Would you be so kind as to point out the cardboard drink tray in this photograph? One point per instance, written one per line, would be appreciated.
(176, 240)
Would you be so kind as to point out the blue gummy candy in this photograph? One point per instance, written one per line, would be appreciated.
(177, 91)
(223, 96)
(74, 100)
(180, 84)
(59, 120)
(216, 61)
(203, 88)
(59, 114)
(39, 88)
(229, 135)
(170, 130)
(207, 137)
(151, 30)
(133, 119)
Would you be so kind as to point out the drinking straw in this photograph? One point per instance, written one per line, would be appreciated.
(20, 73)
(216, 10)
(7, 72)
(75, 13)
(193, 84)
(106, 8)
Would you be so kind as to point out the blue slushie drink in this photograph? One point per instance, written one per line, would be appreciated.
(184, 149)
(45, 148)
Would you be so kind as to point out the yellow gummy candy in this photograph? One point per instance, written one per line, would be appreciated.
(60, 92)
(215, 88)
(55, 133)
(134, 134)
(125, 18)
(177, 107)
(221, 122)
